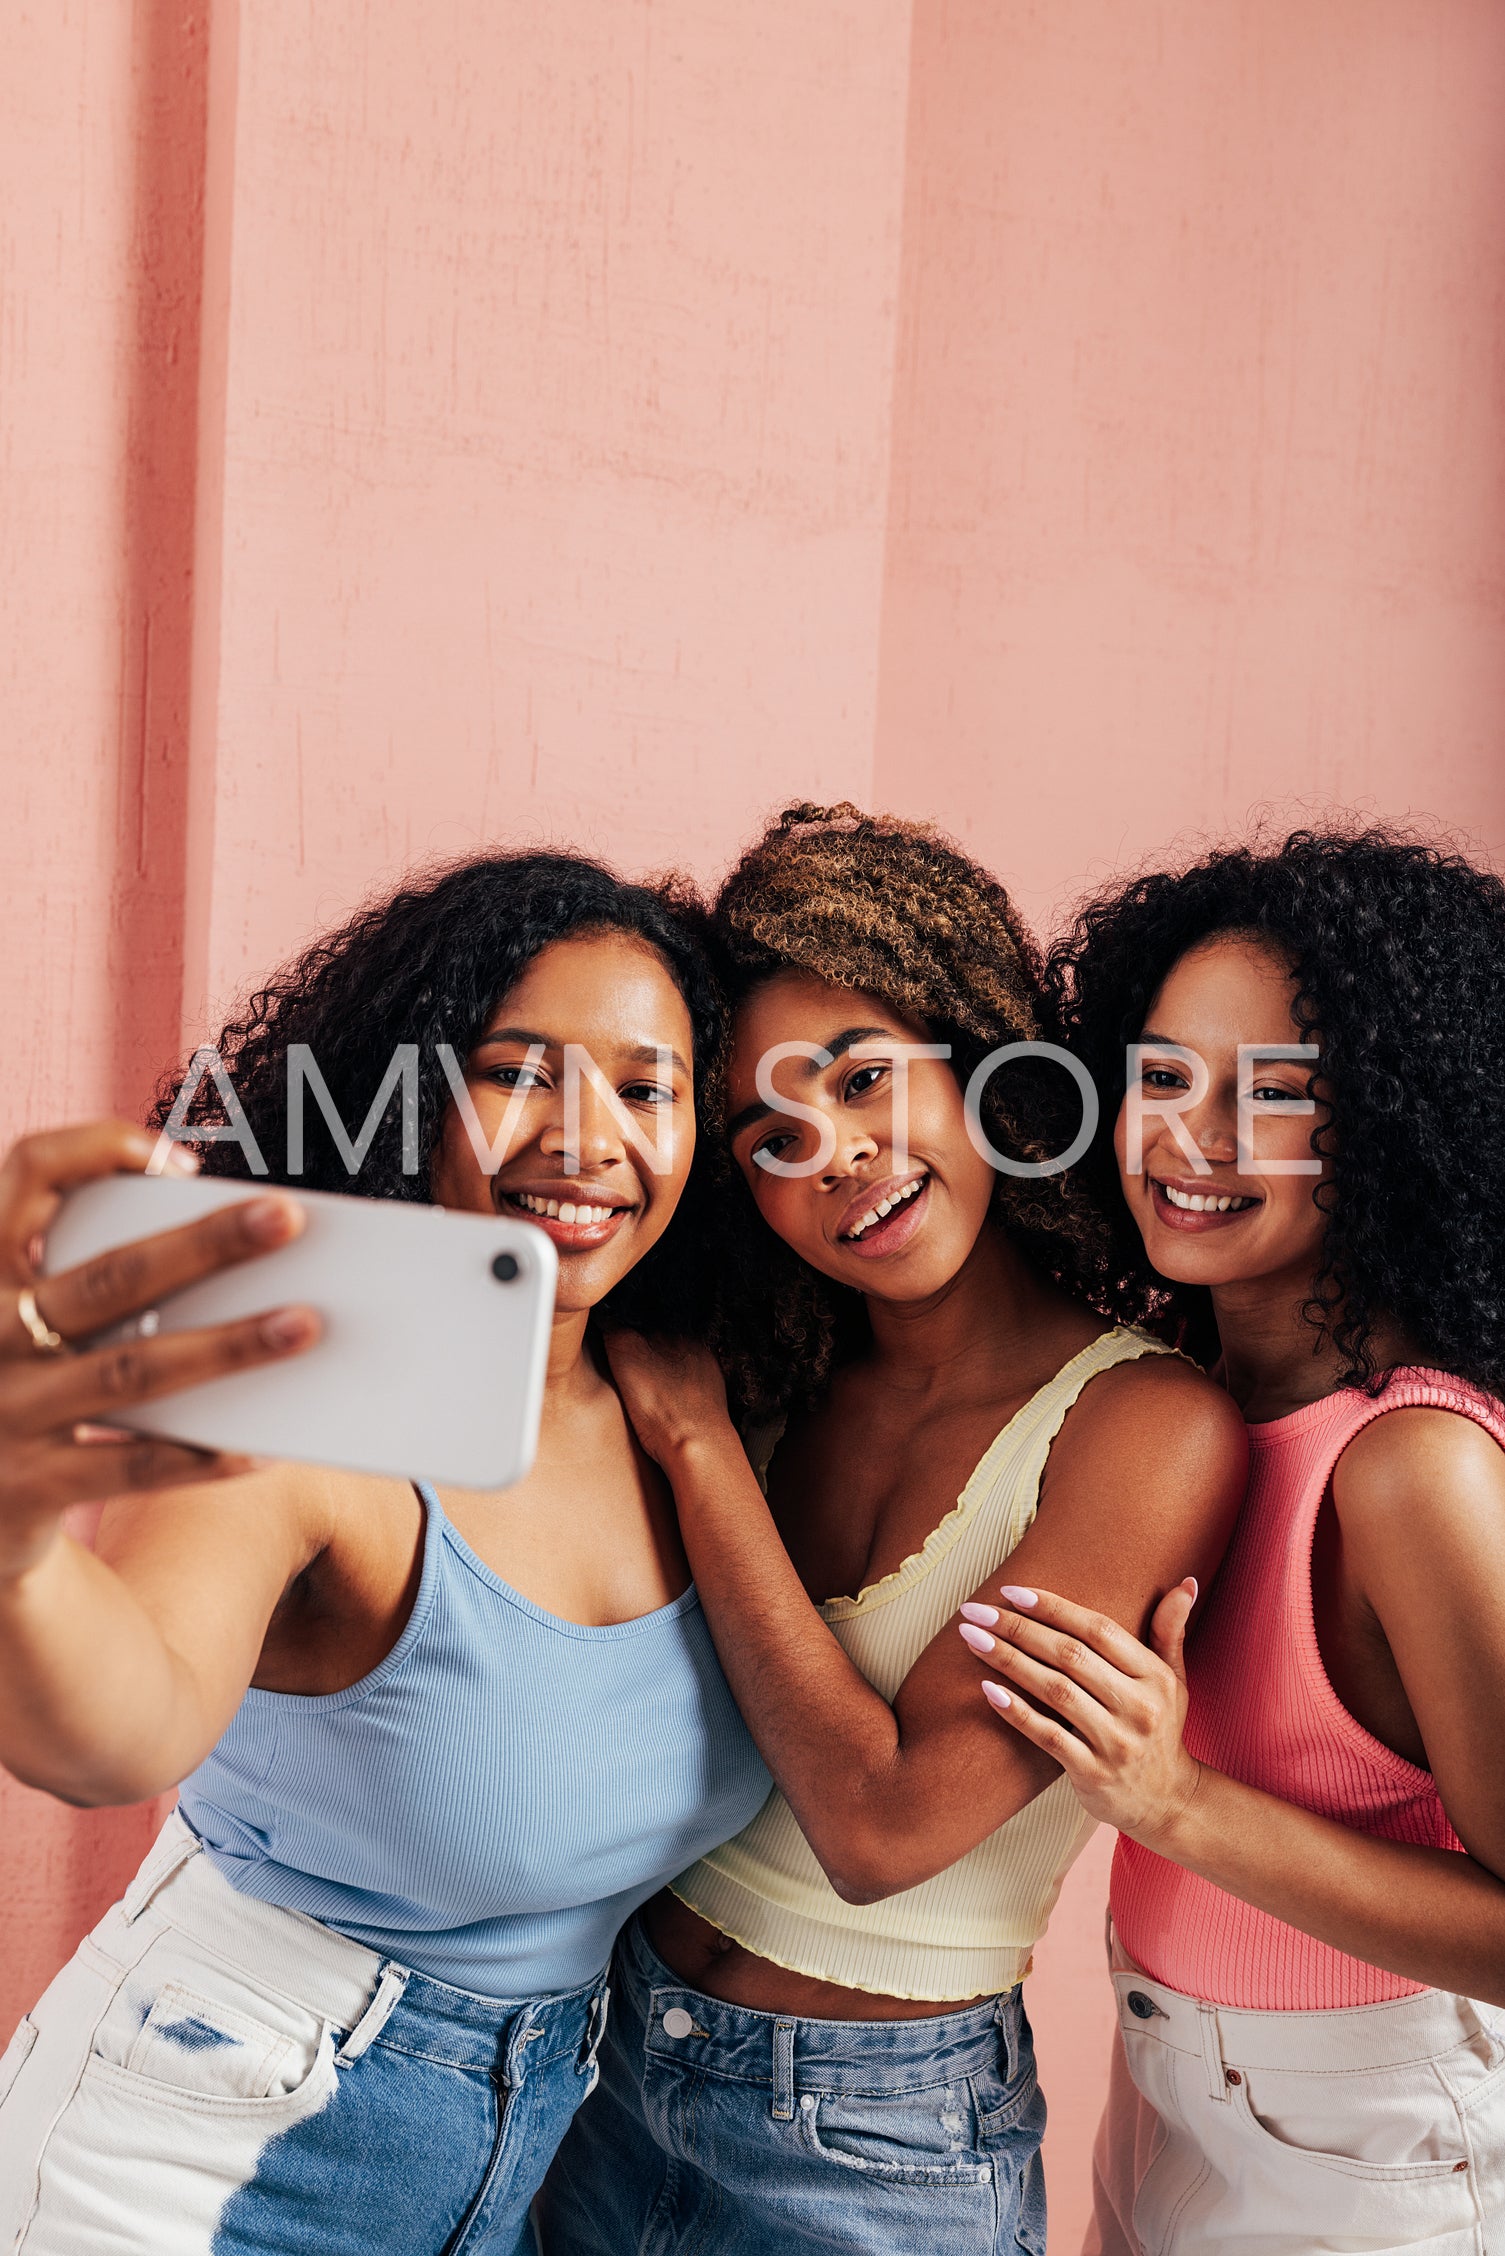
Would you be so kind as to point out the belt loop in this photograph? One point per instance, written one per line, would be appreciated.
(783, 2071)
(1212, 2053)
(384, 1999)
(1005, 2014)
(595, 2031)
(161, 1865)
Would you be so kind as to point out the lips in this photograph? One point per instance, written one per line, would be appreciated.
(1170, 1201)
(906, 1198)
(584, 1215)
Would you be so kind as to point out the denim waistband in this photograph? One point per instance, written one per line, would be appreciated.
(778, 2049)
(369, 2000)
(1396, 2033)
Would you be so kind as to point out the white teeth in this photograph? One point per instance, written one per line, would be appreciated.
(1195, 1202)
(565, 1210)
(886, 1206)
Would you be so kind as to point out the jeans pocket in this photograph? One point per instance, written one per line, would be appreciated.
(183, 2045)
(902, 2138)
(1379, 2127)
(15, 2057)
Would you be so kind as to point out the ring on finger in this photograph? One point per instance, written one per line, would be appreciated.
(43, 1338)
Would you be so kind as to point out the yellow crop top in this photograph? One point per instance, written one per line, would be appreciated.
(969, 1931)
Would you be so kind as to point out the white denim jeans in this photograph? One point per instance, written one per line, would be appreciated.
(213, 2076)
(1291, 2134)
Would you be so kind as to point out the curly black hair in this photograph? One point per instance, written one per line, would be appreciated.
(894, 909)
(428, 965)
(1397, 947)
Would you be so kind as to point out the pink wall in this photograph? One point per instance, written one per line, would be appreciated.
(1198, 498)
(462, 420)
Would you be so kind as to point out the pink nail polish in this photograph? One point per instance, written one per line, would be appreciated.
(973, 1612)
(1017, 1595)
(996, 1697)
(1196, 1588)
(978, 1639)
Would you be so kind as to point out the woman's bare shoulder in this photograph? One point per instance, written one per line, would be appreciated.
(1158, 1402)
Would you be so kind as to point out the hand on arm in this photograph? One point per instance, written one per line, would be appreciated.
(1149, 1467)
(1421, 1500)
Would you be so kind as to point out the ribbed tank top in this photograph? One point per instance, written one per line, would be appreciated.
(1263, 1710)
(492, 1801)
(968, 1931)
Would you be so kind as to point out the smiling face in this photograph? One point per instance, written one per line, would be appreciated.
(1228, 1226)
(607, 998)
(892, 1222)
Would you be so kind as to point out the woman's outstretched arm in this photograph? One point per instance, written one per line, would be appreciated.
(1148, 1469)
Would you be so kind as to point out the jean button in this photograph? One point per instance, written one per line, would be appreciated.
(678, 2023)
(1143, 2008)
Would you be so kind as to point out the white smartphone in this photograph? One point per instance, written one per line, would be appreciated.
(436, 1330)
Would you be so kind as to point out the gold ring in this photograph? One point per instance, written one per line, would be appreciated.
(43, 1337)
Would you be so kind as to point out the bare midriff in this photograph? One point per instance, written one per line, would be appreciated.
(706, 1959)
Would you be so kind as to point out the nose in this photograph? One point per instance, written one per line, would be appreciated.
(855, 1147)
(1214, 1129)
(591, 1140)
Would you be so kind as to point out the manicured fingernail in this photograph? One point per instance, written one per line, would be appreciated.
(269, 1220)
(1017, 1595)
(181, 1160)
(987, 1615)
(1195, 1588)
(289, 1327)
(996, 1697)
(978, 1639)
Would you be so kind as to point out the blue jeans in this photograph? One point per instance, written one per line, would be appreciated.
(717, 2131)
(213, 2076)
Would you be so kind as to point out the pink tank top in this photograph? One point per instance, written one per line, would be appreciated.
(1263, 1711)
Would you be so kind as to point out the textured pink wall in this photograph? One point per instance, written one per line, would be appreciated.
(1199, 468)
(459, 420)
(555, 429)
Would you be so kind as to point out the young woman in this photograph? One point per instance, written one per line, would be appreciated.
(433, 1749)
(1309, 1886)
(817, 2038)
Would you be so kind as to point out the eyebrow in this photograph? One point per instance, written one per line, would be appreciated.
(523, 1034)
(838, 1046)
(641, 1053)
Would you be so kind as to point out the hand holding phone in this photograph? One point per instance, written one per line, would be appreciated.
(50, 1391)
(433, 1329)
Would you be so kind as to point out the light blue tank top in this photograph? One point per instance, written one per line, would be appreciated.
(491, 1803)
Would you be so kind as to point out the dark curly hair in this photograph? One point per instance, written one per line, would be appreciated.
(1398, 951)
(894, 909)
(428, 965)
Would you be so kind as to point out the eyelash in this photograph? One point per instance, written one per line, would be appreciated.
(512, 1078)
(774, 1143)
(1163, 1077)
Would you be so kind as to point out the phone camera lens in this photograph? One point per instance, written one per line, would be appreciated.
(504, 1268)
